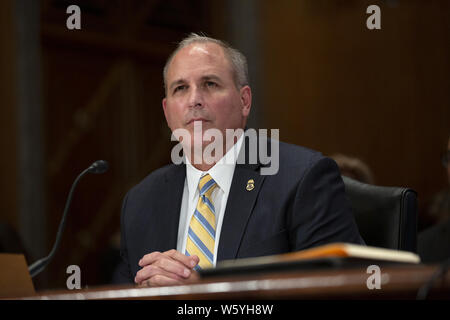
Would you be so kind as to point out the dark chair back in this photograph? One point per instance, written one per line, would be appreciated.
(386, 216)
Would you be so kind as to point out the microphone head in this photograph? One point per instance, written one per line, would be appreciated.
(99, 166)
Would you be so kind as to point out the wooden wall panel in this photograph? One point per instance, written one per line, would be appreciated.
(335, 86)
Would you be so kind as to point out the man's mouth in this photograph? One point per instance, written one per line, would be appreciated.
(197, 119)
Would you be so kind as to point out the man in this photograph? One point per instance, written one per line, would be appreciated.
(185, 217)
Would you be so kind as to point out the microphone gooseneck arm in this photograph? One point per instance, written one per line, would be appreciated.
(37, 267)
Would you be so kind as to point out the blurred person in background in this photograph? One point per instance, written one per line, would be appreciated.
(353, 168)
(438, 210)
(10, 241)
(433, 242)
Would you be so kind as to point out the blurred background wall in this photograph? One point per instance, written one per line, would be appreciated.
(317, 73)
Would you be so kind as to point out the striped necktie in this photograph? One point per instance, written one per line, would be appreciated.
(202, 229)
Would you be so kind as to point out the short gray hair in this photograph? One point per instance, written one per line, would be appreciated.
(237, 59)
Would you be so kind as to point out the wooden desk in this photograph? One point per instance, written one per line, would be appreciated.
(397, 282)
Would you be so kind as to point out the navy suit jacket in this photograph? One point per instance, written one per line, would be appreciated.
(302, 206)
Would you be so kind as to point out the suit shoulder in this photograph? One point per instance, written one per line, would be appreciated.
(297, 161)
(295, 155)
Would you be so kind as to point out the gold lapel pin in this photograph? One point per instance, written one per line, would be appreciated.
(250, 185)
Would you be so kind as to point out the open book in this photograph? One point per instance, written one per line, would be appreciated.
(326, 256)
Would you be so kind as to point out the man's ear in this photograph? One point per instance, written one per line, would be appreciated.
(246, 100)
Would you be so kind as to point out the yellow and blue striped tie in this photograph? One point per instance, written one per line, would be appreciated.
(202, 229)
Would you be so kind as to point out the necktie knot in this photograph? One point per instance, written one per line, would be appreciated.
(206, 185)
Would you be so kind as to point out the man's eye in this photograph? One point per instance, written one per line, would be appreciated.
(179, 88)
(211, 84)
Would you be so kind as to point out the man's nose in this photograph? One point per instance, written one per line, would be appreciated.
(195, 97)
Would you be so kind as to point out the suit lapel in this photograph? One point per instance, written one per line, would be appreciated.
(239, 207)
(171, 197)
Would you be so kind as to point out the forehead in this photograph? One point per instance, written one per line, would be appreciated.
(198, 57)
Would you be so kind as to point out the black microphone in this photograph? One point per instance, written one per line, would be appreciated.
(98, 167)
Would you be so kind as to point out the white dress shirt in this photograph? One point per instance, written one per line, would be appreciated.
(222, 173)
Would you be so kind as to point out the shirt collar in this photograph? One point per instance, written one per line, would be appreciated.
(222, 172)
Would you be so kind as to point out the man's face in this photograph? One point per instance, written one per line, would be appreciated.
(201, 88)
